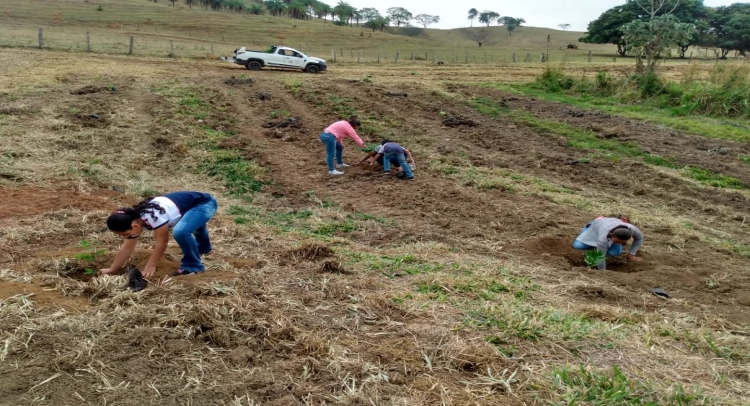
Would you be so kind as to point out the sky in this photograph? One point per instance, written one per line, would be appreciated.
(537, 13)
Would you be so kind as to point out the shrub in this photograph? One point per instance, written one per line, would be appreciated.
(554, 80)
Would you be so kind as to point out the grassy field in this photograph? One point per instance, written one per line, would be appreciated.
(459, 288)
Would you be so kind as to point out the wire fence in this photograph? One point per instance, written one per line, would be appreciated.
(132, 40)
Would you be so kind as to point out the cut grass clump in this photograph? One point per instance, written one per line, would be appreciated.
(706, 177)
(592, 387)
(513, 318)
(242, 178)
(401, 265)
(321, 221)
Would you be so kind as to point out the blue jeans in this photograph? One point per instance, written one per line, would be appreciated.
(329, 140)
(613, 251)
(191, 235)
(399, 157)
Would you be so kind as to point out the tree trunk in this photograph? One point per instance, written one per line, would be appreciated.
(683, 50)
(621, 50)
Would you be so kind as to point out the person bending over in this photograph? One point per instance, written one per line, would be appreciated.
(609, 235)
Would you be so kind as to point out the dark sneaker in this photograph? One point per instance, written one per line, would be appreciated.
(135, 280)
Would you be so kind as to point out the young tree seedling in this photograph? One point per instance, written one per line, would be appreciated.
(89, 253)
(593, 257)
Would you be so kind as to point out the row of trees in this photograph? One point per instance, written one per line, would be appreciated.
(489, 17)
(342, 13)
(683, 23)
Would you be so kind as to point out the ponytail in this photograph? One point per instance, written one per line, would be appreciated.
(354, 122)
(122, 219)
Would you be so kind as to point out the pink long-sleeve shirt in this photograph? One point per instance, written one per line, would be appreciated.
(342, 129)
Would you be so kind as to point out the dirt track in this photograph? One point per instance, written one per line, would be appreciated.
(529, 218)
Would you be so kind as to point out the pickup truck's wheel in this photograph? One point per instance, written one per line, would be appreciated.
(313, 69)
(254, 65)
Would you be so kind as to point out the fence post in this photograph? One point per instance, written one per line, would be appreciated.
(412, 56)
(171, 48)
(41, 38)
(139, 27)
(395, 60)
(589, 56)
(433, 56)
(378, 56)
(88, 42)
(691, 59)
(514, 57)
(341, 51)
(454, 56)
(333, 54)
(212, 48)
(130, 49)
(528, 57)
(358, 56)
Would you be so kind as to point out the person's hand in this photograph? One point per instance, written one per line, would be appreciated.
(372, 163)
(107, 271)
(632, 257)
(149, 271)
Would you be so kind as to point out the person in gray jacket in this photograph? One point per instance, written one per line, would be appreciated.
(608, 235)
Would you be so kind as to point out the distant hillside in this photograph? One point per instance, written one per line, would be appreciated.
(159, 21)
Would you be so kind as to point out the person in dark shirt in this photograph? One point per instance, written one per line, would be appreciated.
(392, 150)
(186, 213)
(377, 155)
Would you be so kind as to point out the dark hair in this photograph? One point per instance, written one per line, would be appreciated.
(622, 233)
(354, 121)
(385, 142)
(122, 219)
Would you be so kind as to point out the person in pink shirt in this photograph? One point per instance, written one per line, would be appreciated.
(333, 138)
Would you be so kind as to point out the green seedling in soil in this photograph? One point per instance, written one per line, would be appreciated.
(280, 113)
(593, 257)
(89, 253)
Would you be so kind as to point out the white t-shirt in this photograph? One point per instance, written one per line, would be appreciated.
(170, 217)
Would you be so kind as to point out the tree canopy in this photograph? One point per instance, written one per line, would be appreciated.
(473, 13)
(399, 15)
(426, 19)
(651, 38)
(729, 28)
(607, 29)
(487, 17)
(510, 23)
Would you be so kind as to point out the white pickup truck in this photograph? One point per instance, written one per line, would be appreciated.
(277, 57)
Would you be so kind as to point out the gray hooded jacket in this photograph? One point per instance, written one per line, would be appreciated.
(597, 235)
